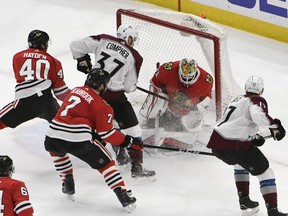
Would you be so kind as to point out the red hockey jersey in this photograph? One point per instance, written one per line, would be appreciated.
(82, 111)
(35, 70)
(14, 198)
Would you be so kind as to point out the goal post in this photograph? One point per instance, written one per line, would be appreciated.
(166, 36)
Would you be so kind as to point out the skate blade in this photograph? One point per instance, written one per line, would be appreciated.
(248, 212)
(70, 197)
(130, 207)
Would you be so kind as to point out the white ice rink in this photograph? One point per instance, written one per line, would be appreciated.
(186, 185)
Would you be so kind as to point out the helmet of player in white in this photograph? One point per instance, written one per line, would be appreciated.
(188, 71)
(255, 85)
(125, 31)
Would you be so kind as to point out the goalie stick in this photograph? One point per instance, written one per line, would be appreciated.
(157, 119)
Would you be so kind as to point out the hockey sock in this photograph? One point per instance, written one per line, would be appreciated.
(136, 156)
(2, 125)
(62, 164)
(112, 176)
(268, 188)
(242, 180)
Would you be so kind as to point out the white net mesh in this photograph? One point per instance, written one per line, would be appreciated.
(163, 43)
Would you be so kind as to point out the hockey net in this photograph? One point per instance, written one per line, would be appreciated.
(166, 36)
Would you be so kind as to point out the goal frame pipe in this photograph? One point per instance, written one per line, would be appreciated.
(215, 39)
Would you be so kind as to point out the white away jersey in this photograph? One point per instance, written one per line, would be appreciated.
(111, 54)
(243, 117)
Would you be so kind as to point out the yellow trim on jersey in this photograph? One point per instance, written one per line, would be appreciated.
(227, 18)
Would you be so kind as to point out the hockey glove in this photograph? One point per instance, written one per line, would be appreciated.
(258, 141)
(279, 132)
(132, 143)
(84, 64)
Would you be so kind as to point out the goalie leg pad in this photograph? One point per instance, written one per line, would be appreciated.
(193, 121)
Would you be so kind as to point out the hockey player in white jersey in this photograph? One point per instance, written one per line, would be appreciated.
(234, 140)
(118, 57)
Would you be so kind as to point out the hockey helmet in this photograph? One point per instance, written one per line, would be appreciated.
(6, 166)
(188, 71)
(255, 85)
(125, 31)
(38, 39)
(96, 77)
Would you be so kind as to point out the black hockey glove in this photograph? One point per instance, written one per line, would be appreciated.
(132, 143)
(84, 64)
(279, 132)
(258, 141)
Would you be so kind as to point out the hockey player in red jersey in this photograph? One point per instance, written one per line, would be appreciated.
(234, 141)
(188, 88)
(14, 194)
(83, 113)
(118, 57)
(37, 74)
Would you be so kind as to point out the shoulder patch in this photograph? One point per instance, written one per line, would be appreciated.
(209, 78)
(168, 66)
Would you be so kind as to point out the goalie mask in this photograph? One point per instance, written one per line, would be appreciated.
(188, 71)
(254, 85)
(125, 31)
(6, 166)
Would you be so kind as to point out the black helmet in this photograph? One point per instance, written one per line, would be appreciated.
(6, 166)
(38, 39)
(96, 77)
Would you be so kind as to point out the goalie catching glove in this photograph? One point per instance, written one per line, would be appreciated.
(279, 132)
(132, 143)
(84, 64)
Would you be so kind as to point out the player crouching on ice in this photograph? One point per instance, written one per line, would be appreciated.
(188, 90)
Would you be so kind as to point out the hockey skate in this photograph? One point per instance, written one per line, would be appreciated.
(142, 174)
(68, 186)
(275, 212)
(248, 206)
(128, 202)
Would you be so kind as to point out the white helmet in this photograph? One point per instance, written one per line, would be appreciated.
(188, 71)
(125, 31)
(254, 85)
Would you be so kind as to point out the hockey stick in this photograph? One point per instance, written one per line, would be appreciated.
(152, 93)
(258, 136)
(193, 151)
(179, 150)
